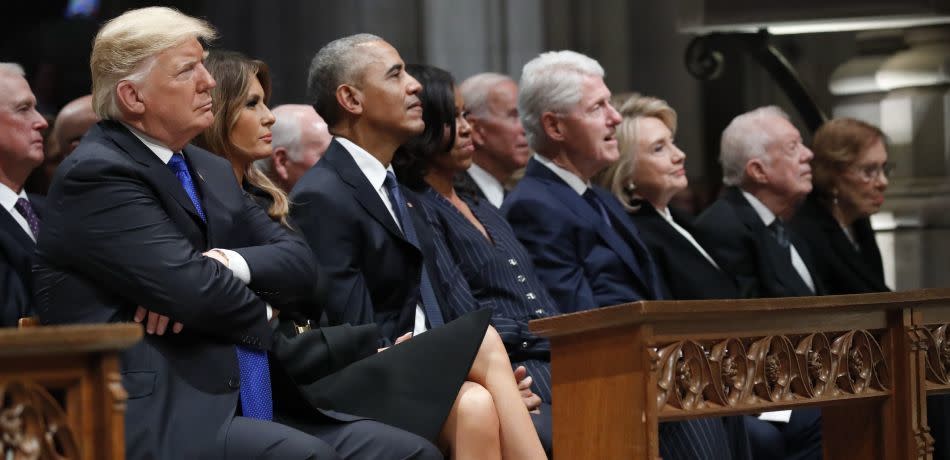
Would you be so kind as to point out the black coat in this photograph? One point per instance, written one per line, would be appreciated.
(372, 276)
(687, 273)
(121, 232)
(372, 271)
(16, 266)
(841, 268)
(734, 234)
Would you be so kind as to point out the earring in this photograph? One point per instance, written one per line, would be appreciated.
(834, 197)
(630, 187)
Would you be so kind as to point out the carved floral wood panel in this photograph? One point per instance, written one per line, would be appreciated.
(763, 371)
(33, 425)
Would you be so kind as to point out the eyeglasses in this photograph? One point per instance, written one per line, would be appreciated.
(871, 173)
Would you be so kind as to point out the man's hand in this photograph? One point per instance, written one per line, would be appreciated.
(400, 339)
(531, 400)
(156, 324)
(217, 255)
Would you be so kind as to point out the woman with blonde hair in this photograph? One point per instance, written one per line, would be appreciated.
(649, 172)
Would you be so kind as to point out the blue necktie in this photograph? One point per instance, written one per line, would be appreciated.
(255, 374)
(429, 302)
(594, 201)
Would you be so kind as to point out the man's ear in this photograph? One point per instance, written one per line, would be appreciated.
(755, 170)
(551, 124)
(350, 99)
(478, 135)
(129, 98)
(280, 163)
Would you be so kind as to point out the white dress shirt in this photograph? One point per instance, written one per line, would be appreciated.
(665, 212)
(768, 217)
(375, 173)
(579, 185)
(8, 199)
(236, 262)
(493, 189)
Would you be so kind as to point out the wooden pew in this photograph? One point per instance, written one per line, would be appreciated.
(867, 360)
(78, 366)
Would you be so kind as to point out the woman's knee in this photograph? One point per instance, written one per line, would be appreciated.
(476, 407)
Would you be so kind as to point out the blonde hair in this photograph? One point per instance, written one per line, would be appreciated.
(618, 176)
(126, 46)
(234, 73)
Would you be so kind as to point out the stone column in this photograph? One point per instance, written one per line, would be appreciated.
(900, 82)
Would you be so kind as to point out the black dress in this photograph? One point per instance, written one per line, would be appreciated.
(411, 386)
(846, 268)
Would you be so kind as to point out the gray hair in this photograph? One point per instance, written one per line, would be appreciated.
(126, 46)
(12, 68)
(552, 82)
(335, 64)
(475, 90)
(286, 133)
(746, 138)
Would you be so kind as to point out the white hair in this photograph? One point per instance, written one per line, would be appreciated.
(747, 137)
(286, 133)
(12, 68)
(475, 90)
(552, 82)
(126, 46)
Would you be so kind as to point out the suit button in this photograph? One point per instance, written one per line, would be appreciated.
(530, 296)
(513, 262)
(521, 278)
(234, 383)
(524, 344)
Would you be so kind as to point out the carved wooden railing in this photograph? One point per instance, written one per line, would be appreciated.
(60, 393)
(868, 361)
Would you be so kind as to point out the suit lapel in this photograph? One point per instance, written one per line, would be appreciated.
(628, 231)
(156, 171)
(778, 259)
(12, 228)
(363, 191)
(585, 213)
(207, 184)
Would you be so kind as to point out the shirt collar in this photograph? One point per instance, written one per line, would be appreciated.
(491, 187)
(8, 197)
(163, 153)
(576, 183)
(761, 209)
(372, 168)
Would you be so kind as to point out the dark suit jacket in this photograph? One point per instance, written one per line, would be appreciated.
(841, 268)
(120, 232)
(497, 274)
(16, 264)
(583, 262)
(372, 271)
(687, 274)
(465, 185)
(734, 234)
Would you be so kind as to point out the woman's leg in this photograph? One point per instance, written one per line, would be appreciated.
(492, 370)
(471, 431)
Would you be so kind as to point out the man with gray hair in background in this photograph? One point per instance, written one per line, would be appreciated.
(500, 144)
(586, 249)
(21, 150)
(300, 137)
(766, 171)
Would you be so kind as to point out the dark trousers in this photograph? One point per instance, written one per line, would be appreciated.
(250, 438)
(799, 439)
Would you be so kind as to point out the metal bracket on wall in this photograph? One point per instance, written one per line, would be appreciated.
(706, 57)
